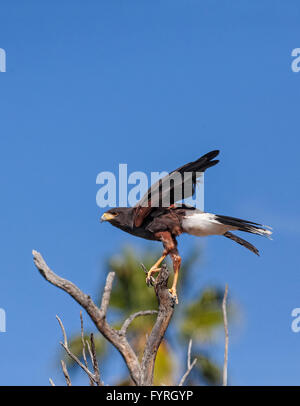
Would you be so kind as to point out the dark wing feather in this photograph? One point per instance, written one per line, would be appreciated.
(171, 184)
(242, 242)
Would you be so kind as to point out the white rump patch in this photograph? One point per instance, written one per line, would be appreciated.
(202, 224)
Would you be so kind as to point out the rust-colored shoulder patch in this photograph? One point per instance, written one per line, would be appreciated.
(140, 214)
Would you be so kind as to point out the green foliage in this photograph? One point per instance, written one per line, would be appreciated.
(207, 370)
(203, 316)
(130, 293)
(165, 364)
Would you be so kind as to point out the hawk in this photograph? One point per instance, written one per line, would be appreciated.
(151, 220)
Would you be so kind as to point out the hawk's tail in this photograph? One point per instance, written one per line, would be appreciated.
(242, 242)
(244, 225)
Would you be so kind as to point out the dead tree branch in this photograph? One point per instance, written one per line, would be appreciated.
(225, 367)
(190, 365)
(141, 373)
(130, 319)
(66, 373)
(94, 360)
(64, 344)
(83, 346)
(165, 312)
(97, 315)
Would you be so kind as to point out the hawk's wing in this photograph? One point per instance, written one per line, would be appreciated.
(172, 187)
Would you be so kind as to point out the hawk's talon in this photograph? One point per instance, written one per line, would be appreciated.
(174, 294)
(148, 281)
(149, 277)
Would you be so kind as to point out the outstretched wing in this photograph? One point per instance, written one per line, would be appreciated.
(173, 185)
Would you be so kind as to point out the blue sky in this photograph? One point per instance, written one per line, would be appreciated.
(153, 84)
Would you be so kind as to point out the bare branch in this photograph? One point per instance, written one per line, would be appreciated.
(141, 374)
(83, 346)
(51, 382)
(97, 315)
(165, 313)
(152, 280)
(63, 330)
(190, 365)
(66, 374)
(187, 372)
(74, 358)
(95, 362)
(71, 355)
(130, 319)
(107, 292)
(89, 349)
(225, 367)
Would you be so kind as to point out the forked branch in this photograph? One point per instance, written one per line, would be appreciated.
(190, 365)
(224, 309)
(141, 373)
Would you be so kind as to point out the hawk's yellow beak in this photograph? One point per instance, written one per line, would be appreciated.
(107, 217)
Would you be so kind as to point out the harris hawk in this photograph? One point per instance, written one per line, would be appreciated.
(151, 219)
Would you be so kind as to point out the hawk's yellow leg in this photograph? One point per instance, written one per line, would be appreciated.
(155, 268)
(176, 267)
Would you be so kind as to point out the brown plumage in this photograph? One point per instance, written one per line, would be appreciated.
(149, 220)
